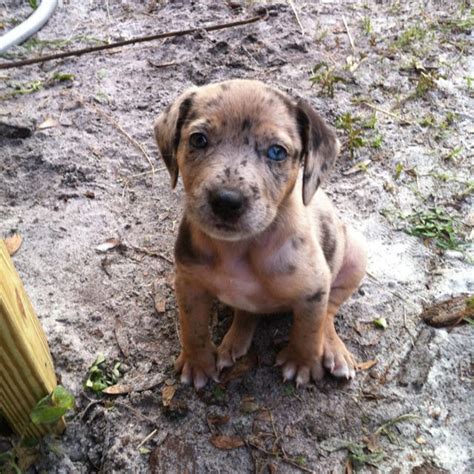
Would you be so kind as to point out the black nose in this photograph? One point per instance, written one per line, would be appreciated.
(227, 203)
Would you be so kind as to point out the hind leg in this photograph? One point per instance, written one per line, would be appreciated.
(337, 359)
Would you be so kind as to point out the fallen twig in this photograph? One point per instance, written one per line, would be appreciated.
(349, 34)
(390, 114)
(147, 438)
(292, 5)
(139, 39)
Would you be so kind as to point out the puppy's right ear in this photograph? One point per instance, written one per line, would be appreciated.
(168, 131)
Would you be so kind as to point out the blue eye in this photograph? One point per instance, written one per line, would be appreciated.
(276, 153)
(198, 140)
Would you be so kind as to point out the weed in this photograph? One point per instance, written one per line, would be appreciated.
(35, 86)
(325, 76)
(367, 25)
(354, 132)
(454, 153)
(218, 393)
(359, 454)
(35, 43)
(426, 82)
(33, 4)
(63, 76)
(410, 36)
(448, 120)
(385, 428)
(437, 226)
(301, 460)
(53, 407)
(289, 389)
(469, 81)
(428, 120)
(377, 142)
(102, 374)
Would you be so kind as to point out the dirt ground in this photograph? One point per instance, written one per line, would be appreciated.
(75, 144)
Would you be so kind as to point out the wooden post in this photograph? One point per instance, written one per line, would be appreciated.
(26, 367)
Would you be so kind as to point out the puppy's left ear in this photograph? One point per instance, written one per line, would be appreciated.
(320, 148)
(167, 130)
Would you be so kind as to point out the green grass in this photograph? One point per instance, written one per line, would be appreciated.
(408, 38)
(437, 226)
(367, 25)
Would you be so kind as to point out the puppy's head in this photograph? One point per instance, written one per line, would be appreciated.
(238, 146)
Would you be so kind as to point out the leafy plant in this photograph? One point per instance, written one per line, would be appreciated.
(354, 132)
(426, 82)
(102, 374)
(434, 224)
(51, 408)
(326, 77)
(359, 454)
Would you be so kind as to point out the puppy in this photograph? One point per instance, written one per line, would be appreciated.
(255, 234)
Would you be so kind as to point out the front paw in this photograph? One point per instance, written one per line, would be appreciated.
(338, 361)
(233, 346)
(300, 366)
(328, 354)
(197, 368)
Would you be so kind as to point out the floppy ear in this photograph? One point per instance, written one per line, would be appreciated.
(168, 131)
(320, 148)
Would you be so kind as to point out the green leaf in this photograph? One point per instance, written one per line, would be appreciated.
(380, 323)
(53, 407)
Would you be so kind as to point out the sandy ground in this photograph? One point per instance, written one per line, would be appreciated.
(75, 172)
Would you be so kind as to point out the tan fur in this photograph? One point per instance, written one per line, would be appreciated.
(286, 251)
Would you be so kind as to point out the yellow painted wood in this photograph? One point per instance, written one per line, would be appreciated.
(26, 367)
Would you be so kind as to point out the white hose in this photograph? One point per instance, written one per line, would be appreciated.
(30, 26)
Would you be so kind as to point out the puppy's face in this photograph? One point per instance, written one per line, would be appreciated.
(238, 146)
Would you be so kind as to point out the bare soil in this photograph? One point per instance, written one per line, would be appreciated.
(75, 172)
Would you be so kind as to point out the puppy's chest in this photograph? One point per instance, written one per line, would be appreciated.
(235, 283)
(256, 286)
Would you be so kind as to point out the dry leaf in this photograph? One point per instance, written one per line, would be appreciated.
(13, 243)
(121, 338)
(264, 415)
(226, 442)
(108, 245)
(241, 367)
(167, 394)
(218, 420)
(449, 312)
(160, 304)
(366, 365)
(48, 123)
(118, 389)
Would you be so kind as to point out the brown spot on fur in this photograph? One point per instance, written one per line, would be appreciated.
(184, 111)
(246, 124)
(328, 242)
(184, 251)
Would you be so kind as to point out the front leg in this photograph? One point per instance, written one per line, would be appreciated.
(197, 361)
(303, 357)
(237, 341)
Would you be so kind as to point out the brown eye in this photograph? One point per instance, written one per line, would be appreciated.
(198, 140)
